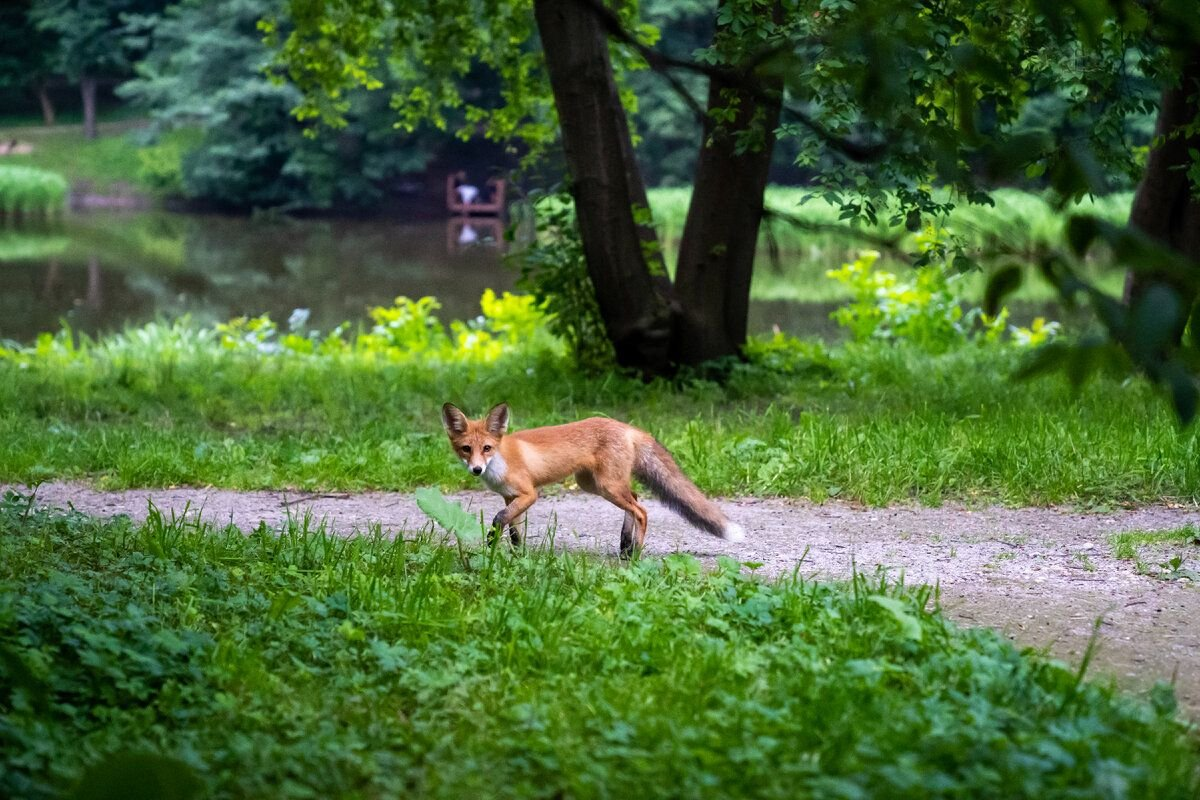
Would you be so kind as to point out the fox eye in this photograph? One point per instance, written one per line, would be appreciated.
(487, 448)
(466, 448)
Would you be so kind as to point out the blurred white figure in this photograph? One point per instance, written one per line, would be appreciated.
(467, 235)
(467, 193)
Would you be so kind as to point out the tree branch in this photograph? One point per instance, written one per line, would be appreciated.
(744, 79)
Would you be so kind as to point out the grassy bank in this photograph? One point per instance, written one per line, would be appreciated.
(875, 422)
(108, 163)
(296, 664)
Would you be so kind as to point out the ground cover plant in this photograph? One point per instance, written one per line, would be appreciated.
(296, 663)
(253, 404)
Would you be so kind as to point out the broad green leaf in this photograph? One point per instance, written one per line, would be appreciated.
(1001, 283)
(449, 514)
(909, 624)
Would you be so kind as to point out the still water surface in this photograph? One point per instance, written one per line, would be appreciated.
(101, 271)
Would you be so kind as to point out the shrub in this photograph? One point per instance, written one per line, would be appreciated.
(925, 308)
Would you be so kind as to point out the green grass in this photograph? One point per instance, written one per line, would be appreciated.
(167, 404)
(107, 163)
(295, 663)
(1127, 544)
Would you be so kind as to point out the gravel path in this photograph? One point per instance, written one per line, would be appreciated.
(1041, 575)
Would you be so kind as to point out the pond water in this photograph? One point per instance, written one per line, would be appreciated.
(101, 271)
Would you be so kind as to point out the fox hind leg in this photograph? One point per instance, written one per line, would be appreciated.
(627, 535)
(617, 492)
(633, 529)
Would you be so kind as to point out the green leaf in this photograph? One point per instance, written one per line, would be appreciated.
(1043, 360)
(1002, 282)
(1184, 394)
(910, 626)
(1082, 230)
(449, 514)
(1156, 318)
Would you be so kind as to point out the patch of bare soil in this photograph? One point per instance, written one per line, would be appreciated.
(1043, 576)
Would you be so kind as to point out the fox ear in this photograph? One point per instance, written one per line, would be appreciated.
(454, 421)
(497, 420)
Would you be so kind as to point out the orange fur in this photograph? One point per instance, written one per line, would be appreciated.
(603, 455)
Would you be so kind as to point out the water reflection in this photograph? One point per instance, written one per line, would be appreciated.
(463, 233)
(100, 271)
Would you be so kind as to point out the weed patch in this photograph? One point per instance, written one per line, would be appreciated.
(294, 663)
(1127, 544)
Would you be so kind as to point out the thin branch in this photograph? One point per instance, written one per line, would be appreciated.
(741, 79)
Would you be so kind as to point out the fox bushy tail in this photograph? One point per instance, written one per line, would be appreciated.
(656, 468)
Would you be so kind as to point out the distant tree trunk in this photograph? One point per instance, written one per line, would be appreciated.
(720, 237)
(94, 298)
(87, 88)
(47, 105)
(52, 278)
(1165, 205)
(606, 184)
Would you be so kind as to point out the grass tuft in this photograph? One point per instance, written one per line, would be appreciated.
(29, 191)
(1127, 544)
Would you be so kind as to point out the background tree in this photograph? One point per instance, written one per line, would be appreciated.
(205, 76)
(26, 55)
(91, 42)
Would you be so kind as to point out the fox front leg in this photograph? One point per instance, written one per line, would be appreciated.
(511, 515)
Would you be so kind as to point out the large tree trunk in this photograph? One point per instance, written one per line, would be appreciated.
(720, 237)
(606, 184)
(87, 88)
(1165, 204)
(47, 105)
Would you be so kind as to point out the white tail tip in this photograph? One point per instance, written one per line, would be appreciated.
(733, 532)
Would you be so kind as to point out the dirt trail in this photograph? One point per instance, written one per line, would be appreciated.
(1041, 575)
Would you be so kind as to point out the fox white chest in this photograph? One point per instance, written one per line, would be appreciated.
(495, 474)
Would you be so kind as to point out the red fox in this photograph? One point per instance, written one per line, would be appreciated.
(601, 453)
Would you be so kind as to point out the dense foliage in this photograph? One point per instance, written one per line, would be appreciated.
(296, 663)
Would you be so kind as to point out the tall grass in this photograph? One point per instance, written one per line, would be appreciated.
(294, 663)
(1020, 218)
(793, 259)
(875, 422)
(31, 191)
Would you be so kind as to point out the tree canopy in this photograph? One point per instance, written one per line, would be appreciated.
(887, 102)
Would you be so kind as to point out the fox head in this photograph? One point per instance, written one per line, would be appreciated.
(475, 441)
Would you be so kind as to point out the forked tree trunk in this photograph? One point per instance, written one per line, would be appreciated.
(47, 105)
(1165, 205)
(720, 237)
(87, 88)
(606, 184)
